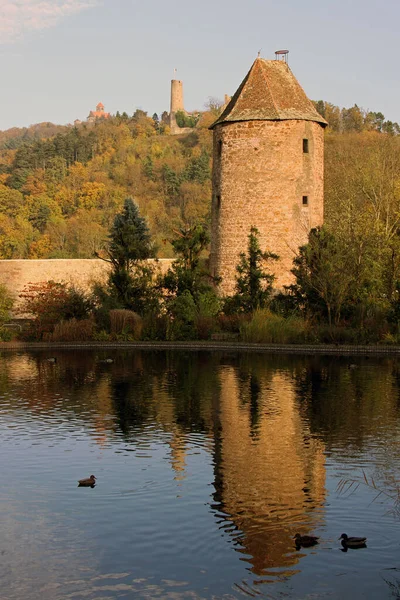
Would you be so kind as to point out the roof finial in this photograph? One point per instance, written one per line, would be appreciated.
(282, 55)
(259, 53)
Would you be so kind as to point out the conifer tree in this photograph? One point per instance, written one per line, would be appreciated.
(130, 244)
(253, 283)
(130, 239)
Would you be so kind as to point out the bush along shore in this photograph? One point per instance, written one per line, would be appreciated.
(334, 299)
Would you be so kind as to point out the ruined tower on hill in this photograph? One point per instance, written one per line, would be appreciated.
(176, 104)
(267, 171)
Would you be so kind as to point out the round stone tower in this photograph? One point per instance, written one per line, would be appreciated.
(176, 104)
(267, 171)
(176, 96)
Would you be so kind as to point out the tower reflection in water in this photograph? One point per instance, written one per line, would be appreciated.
(269, 470)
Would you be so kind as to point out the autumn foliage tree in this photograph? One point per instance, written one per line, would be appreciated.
(48, 303)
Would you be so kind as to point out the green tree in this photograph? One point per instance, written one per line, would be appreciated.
(324, 276)
(129, 245)
(156, 122)
(6, 303)
(184, 120)
(187, 272)
(189, 294)
(253, 283)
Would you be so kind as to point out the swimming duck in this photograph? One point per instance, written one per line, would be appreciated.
(106, 360)
(352, 542)
(89, 481)
(51, 359)
(305, 540)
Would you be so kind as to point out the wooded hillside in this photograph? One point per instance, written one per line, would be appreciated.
(60, 188)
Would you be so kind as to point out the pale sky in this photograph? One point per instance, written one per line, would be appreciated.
(59, 58)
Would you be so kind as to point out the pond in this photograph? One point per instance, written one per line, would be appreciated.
(207, 465)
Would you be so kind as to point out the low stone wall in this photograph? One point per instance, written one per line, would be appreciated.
(207, 346)
(17, 274)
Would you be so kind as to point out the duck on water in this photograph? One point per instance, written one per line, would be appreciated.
(352, 542)
(305, 540)
(88, 482)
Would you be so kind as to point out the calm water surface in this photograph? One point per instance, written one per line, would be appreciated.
(207, 464)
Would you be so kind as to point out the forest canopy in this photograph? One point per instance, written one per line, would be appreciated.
(61, 187)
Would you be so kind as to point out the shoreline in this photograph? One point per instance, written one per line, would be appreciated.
(333, 349)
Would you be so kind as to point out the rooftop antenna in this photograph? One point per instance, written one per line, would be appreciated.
(282, 55)
(259, 53)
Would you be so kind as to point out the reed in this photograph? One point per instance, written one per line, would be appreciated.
(73, 330)
(390, 490)
(268, 328)
(126, 323)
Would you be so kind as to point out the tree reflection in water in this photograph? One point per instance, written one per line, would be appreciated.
(267, 421)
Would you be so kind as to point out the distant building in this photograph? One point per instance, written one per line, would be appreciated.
(177, 105)
(97, 114)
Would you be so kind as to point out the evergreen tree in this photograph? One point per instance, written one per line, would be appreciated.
(156, 122)
(253, 284)
(129, 245)
(130, 239)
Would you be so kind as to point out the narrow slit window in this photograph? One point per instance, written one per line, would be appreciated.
(219, 147)
(218, 202)
(305, 200)
(305, 146)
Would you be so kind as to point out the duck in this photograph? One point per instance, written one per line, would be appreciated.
(89, 481)
(352, 542)
(305, 540)
(51, 359)
(106, 360)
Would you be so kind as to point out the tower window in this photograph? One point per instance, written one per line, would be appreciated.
(305, 200)
(218, 202)
(305, 146)
(219, 147)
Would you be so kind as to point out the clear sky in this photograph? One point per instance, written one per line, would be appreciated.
(59, 58)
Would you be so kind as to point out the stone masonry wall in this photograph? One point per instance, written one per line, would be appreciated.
(16, 274)
(260, 176)
(176, 95)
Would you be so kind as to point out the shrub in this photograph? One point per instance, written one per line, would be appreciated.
(51, 302)
(6, 303)
(6, 335)
(155, 327)
(104, 302)
(208, 304)
(336, 334)
(125, 322)
(101, 336)
(204, 327)
(181, 324)
(73, 330)
(232, 323)
(267, 328)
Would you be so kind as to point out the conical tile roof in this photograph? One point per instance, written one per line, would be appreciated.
(269, 92)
